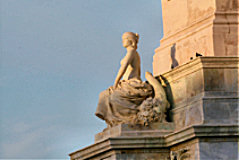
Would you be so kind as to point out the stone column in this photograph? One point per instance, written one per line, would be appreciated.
(206, 27)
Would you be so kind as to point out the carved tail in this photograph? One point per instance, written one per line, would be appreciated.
(158, 89)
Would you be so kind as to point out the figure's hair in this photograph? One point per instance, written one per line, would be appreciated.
(131, 35)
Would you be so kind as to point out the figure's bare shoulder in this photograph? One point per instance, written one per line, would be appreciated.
(129, 57)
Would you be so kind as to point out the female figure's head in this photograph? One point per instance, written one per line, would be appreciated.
(130, 39)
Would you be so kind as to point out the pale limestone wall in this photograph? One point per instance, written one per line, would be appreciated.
(208, 27)
(225, 29)
(178, 15)
(225, 34)
(186, 45)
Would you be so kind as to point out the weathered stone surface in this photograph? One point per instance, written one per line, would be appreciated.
(178, 15)
(208, 27)
(191, 147)
(220, 111)
(157, 147)
(188, 115)
(214, 80)
(204, 90)
(148, 154)
(218, 150)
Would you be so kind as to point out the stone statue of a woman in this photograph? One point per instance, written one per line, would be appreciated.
(122, 102)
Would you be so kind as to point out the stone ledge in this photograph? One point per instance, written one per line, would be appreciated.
(154, 129)
(205, 96)
(201, 131)
(133, 142)
(201, 63)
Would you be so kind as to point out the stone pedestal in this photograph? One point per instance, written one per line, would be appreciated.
(207, 27)
(203, 119)
(125, 130)
(129, 142)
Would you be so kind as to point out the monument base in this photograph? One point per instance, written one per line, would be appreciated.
(195, 142)
(204, 113)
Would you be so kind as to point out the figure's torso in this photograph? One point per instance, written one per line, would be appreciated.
(133, 69)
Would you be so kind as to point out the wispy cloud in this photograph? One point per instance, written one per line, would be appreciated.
(31, 140)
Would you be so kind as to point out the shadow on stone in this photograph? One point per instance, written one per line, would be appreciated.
(173, 54)
(169, 95)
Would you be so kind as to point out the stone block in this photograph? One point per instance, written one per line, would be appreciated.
(204, 90)
(227, 5)
(179, 118)
(194, 114)
(220, 111)
(220, 79)
(194, 84)
(218, 150)
(179, 90)
(214, 80)
(230, 80)
(189, 115)
(145, 154)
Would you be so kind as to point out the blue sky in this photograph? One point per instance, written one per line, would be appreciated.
(56, 57)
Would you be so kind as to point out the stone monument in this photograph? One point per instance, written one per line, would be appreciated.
(189, 109)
